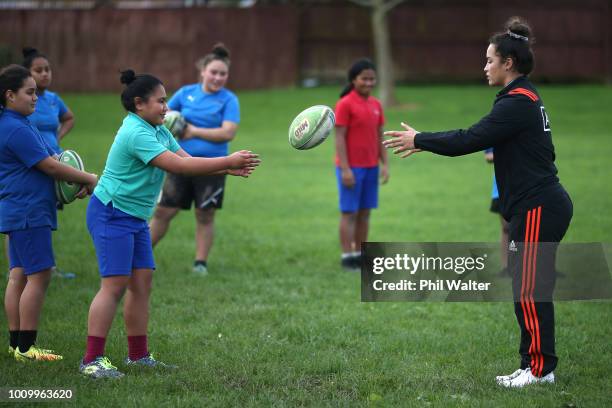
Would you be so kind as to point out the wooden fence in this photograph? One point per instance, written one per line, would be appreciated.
(275, 46)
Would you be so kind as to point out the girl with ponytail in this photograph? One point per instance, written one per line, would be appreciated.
(212, 113)
(359, 132)
(531, 198)
(143, 150)
(52, 117)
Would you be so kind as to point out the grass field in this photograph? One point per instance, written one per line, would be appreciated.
(277, 323)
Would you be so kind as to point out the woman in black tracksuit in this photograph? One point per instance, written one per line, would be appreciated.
(532, 200)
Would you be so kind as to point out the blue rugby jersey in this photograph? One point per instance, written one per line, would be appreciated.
(27, 195)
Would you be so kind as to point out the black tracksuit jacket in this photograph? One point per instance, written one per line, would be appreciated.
(518, 130)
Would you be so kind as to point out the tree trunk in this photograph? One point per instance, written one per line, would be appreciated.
(382, 47)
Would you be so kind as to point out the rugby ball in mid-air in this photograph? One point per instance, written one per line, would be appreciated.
(65, 191)
(311, 127)
(175, 123)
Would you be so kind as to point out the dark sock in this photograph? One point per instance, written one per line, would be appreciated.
(95, 348)
(137, 347)
(199, 262)
(14, 338)
(27, 338)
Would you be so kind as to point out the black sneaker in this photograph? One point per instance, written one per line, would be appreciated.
(358, 259)
(351, 264)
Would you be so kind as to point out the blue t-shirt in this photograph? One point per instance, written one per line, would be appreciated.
(494, 191)
(46, 117)
(27, 195)
(128, 180)
(205, 110)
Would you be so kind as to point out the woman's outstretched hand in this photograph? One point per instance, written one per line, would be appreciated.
(402, 141)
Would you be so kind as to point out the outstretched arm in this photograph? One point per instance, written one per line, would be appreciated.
(502, 123)
(194, 166)
(243, 172)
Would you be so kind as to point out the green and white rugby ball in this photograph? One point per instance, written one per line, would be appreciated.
(175, 122)
(311, 127)
(64, 191)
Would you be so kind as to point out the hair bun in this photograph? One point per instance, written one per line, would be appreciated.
(220, 51)
(128, 76)
(29, 52)
(518, 26)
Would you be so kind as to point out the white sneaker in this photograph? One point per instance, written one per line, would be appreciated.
(501, 378)
(527, 378)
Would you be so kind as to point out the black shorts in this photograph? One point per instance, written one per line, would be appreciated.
(495, 206)
(180, 191)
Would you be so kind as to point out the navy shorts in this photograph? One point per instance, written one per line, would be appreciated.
(364, 194)
(31, 249)
(122, 241)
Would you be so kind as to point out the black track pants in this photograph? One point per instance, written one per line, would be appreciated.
(533, 237)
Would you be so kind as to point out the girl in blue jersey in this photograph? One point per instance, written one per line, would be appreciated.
(212, 113)
(27, 209)
(52, 117)
(117, 217)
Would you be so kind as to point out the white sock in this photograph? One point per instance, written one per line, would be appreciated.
(356, 254)
(347, 255)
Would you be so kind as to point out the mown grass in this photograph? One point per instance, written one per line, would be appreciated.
(277, 323)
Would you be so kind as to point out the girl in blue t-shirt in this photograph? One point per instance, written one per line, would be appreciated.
(27, 210)
(212, 113)
(117, 218)
(52, 117)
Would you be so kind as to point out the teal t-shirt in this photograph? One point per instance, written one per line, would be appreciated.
(128, 180)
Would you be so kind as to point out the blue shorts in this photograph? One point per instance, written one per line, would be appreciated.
(364, 194)
(122, 241)
(31, 249)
